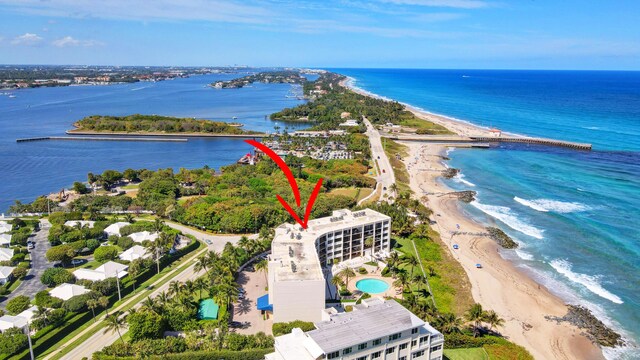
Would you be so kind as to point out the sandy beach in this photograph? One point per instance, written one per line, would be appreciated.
(499, 285)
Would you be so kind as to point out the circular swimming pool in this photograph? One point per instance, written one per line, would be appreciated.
(372, 286)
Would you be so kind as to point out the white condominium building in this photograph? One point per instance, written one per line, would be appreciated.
(297, 286)
(374, 330)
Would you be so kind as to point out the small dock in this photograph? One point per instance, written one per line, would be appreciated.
(100, 138)
(449, 140)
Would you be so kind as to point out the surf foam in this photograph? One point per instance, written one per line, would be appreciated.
(505, 215)
(546, 205)
(591, 282)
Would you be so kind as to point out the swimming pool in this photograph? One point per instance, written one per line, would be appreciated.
(372, 286)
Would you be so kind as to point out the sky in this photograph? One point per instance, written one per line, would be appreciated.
(463, 34)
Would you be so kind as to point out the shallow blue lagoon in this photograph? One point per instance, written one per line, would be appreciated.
(35, 168)
(372, 286)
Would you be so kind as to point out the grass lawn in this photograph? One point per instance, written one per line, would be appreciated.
(130, 186)
(184, 199)
(450, 286)
(419, 124)
(352, 192)
(393, 149)
(14, 285)
(466, 354)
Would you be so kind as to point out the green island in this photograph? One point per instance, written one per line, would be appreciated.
(267, 77)
(155, 124)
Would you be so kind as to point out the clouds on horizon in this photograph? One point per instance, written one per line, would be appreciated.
(27, 39)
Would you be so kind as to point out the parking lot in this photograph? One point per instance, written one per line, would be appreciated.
(254, 284)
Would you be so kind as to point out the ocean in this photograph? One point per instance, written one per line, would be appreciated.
(34, 168)
(574, 213)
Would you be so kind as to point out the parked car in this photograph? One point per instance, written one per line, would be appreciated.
(30, 246)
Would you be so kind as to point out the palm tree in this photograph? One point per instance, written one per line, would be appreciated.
(411, 261)
(346, 273)
(175, 287)
(476, 315)
(368, 244)
(244, 242)
(449, 323)
(338, 283)
(42, 313)
(158, 225)
(202, 263)
(162, 299)
(402, 281)
(491, 318)
(149, 304)
(93, 305)
(114, 323)
(393, 259)
(135, 267)
(103, 302)
(128, 218)
(393, 187)
(262, 266)
(200, 284)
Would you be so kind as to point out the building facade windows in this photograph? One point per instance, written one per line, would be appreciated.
(362, 346)
(395, 336)
(390, 350)
(333, 355)
(436, 348)
(376, 342)
(414, 331)
(417, 354)
(403, 346)
(347, 351)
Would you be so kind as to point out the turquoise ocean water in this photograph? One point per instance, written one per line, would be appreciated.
(576, 214)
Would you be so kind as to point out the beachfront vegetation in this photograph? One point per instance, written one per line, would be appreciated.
(155, 124)
(329, 99)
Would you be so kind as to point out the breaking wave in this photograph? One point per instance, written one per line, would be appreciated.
(591, 282)
(505, 215)
(546, 205)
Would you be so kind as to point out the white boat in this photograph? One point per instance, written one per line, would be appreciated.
(11, 96)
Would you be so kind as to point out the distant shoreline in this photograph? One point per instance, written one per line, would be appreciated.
(522, 301)
(158, 134)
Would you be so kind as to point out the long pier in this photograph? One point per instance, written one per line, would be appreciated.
(453, 139)
(98, 138)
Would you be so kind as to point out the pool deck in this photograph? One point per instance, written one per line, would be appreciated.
(375, 274)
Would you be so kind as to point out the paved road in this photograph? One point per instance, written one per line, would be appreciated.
(386, 177)
(31, 284)
(217, 241)
(99, 340)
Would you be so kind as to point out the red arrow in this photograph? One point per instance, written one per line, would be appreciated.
(292, 182)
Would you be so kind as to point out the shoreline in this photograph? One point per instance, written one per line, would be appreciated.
(499, 285)
(158, 134)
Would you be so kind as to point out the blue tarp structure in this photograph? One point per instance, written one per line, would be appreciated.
(263, 303)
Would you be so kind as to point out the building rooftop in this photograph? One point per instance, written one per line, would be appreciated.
(67, 291)
(294, 247)
(5, 271)
(296, 255)
(373, 319)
